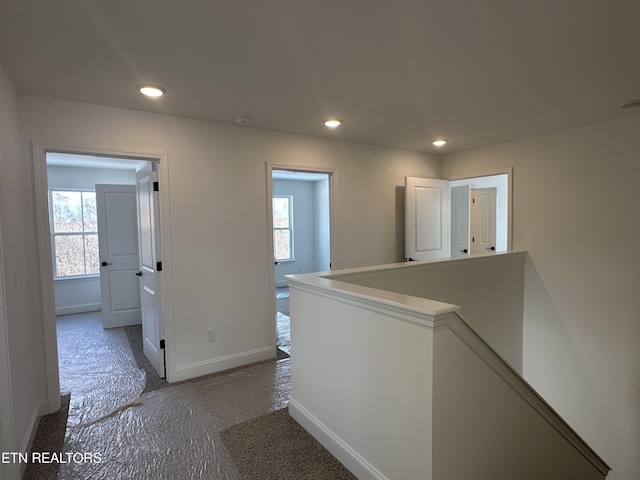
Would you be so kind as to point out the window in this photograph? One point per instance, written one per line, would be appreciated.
(283, 227)
(74, 233)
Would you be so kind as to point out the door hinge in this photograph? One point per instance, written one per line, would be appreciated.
(162, 344)
(156, 187)
(158, 266)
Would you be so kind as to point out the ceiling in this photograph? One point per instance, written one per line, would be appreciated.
(399, 73)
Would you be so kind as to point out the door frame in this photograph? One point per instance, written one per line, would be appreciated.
(39, 150)
(332, 174)
(508, 171)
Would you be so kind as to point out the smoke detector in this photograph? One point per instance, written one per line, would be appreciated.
(242, 119)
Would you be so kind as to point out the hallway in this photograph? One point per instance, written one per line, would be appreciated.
(170, 433)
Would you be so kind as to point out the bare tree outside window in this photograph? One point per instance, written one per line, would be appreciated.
(74, 225)
(283, 227)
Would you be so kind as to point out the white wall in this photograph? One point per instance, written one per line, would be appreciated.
(575, 212)
(23, 387)
(78, 295)
(216, 188)
(484, 426)
(477, 284)
(365, 394)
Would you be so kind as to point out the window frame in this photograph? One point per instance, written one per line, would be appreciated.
(83, 234)
(290, 229)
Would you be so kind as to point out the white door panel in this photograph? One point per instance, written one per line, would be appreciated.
(427, 219)
(150, 278)
(460, 221)
(483, 220)
(118, 245)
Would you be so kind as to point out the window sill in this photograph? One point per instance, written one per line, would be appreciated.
(76, 278)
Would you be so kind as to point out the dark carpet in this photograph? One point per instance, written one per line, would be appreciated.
(275, 446)
(49, 438)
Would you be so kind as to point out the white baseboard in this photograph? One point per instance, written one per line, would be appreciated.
(354, 462)
(39, 409)
(214, 365)
(83, 308)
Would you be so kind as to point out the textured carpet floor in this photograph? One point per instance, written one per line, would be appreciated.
(275, 446)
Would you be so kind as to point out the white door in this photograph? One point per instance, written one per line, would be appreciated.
(150, 266)
(118, 244)
(460, 221)
(427, 219)
(483, 220)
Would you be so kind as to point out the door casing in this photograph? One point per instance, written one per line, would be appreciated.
(39, 151)
(333, 182)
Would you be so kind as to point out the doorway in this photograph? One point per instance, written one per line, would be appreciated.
(95, 216)
(483, 212)
(458, 217)
(105, 159)
(300, 218)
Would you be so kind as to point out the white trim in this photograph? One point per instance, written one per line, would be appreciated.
(80, 308)
(353, 461)
(32, 428)
(40, 409)
(392, 308)
(8, 471)
(39, 149)
(215, 365)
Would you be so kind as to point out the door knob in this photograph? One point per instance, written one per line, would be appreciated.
(464, 251)
(138, 274)
(491, 248)
(104, 264)
(276, 263)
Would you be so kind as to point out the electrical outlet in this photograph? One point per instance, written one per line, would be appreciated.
(211, 334)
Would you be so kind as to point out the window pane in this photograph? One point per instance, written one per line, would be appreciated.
(69, 252)
(281, 244)
(281, 212)
(91, 256)
(67, 211)
(89, 212)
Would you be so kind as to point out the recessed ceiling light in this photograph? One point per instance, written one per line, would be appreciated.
(151, 90)
(631, 104)
(440, 142)
(332, 123)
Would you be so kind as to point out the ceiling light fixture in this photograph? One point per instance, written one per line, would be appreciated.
(440, 142)
(332, 123)
(631, 104)
(151, 90)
